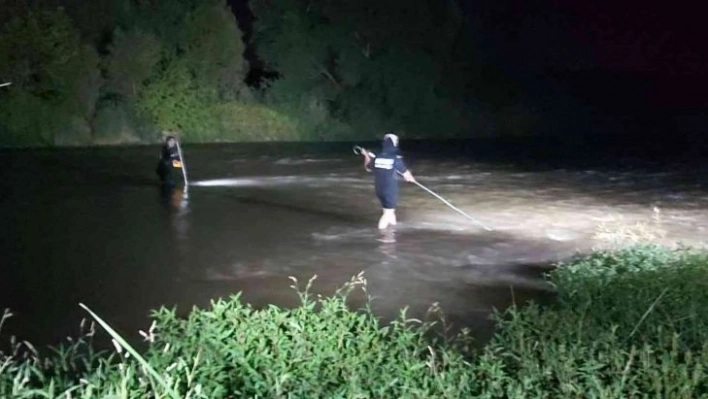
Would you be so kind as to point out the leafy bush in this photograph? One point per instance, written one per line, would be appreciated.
(55, 80)
(174, 102)
(638, 290)
(26, 120)
(114, 124)
(255, 122)
(627, 323)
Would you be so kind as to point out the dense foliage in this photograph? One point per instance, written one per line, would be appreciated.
(54, 75)
(116, 71)
(627, 323)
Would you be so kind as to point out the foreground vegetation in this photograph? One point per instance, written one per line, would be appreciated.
(627, 323)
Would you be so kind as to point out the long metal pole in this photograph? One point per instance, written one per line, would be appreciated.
(184, 166)
(446, 202)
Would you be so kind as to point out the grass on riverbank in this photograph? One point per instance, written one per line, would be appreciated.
(615, 232)
(627, 323)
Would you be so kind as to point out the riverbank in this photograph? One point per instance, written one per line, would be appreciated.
(626, 321)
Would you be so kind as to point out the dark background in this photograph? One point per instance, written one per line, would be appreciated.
(642, 65)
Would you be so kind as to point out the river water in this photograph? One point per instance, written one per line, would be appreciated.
(93, 226)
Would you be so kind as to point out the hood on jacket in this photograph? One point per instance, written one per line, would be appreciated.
(390, 144)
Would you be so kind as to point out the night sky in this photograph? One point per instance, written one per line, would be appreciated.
(621, 54)
(625, 36)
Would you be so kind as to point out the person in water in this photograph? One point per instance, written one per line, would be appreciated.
(387, 164)
(169, 161)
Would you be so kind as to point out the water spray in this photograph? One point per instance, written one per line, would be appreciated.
(360, 150)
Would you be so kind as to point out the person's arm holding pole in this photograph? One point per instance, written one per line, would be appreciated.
(367, 159)
(368, 156)
(408, 176)
(402, 169)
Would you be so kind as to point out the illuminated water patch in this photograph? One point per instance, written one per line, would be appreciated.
(330, 179)
(247, 182)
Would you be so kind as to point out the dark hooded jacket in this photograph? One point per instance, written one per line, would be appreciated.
(164, 166)
(387, 164)
(170, 154)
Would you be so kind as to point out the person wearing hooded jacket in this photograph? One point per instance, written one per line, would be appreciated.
(387, 164)
(169, 160)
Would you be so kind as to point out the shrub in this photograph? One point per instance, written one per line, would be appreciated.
(627, 323)
(255, 122)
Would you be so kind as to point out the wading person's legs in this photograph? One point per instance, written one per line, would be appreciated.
(388, 218)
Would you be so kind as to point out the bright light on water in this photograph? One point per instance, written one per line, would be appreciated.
(277, 180)
(226, 183)
(247, 182)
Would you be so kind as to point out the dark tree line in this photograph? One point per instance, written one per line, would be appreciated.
(117, 70)
(112, 71)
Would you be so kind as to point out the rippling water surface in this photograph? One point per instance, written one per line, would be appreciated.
(92, 226)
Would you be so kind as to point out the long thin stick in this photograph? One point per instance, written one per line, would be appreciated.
(5, 84)
(184, 166)
(446, 202)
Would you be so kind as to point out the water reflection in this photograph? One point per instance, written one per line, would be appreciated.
(387, 246)
(176, 202)
(387, 236)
